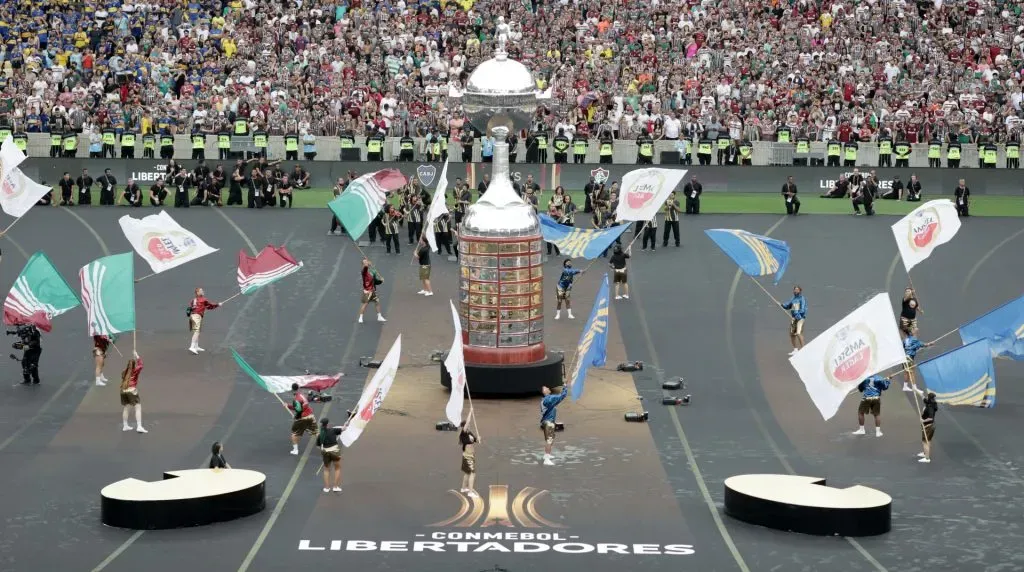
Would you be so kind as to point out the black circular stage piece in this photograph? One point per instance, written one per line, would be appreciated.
(488, 380)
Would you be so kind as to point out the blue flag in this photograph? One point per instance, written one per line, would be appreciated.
(593, 347)
(1003, 327)
(756, 255)
(964, 376)
(579, 242)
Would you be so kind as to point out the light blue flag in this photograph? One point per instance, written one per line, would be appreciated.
(964, 376)
(579, 242)
(593, 347)
(756, 255)
(1003, 327)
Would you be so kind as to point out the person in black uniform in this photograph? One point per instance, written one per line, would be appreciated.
(862, 196)
(330, 453)
(235, 188)
(217, 459)
(133, 194)
(839, 191)
(182, 182)
(692, 192)
(390, 234)
(617, 262)
(407, 148)
(47, 199)
(931, 407)
(671, 220)
(789, 194)
(650, 233)
(84, 183)
(268, 188)
(513, 146)
(895, 191)
(414, 212)
(962, 198)
(30, 341)
(285, 192)
(254, 192)
(466, 141)
(158, 193)
(442, 233)
(913, 190)
(67, 187)
(108, 186)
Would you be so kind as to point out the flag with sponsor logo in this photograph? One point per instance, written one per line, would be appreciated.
(592, 350)
(928, 226)
(18, 193)
(162, 242)
(373, 394)
(456, 365)
(270, 265)
(964, 376)
(39, 295)
(283, 383)
(1002, 327)
(860, 345)
(363, 199)
(756, 255)
(108, 294)
(10, 157)
(579, 242)
(644, 192)
(438, 206)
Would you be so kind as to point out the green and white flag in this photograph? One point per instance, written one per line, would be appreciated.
(39, 294)
(363, 199)
(108, 294)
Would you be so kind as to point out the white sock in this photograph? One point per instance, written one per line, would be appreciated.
(558, 314)
(360, 318)
(571, 317)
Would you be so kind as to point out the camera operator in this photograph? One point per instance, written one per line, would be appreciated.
(30, 342)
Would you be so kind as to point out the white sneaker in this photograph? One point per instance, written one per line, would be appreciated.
(336, 489)
(327, 489)
(920, 455)
(464, 490)
(474, 495)
(618, 297)
(294, 451)
(924, 460)
(140, 429)
(99, 382)
(860, 431)
(380, 318)
(422, 292)
(126, 428)
(571, 317)
(626, 296)
(360, 320)
(548, 461)
(558, 315)
(793, 353)
(906, 387)
(103, 377)
(878, 432)
(194, 351)
(330, 233)
(428, 293)
(200, 349)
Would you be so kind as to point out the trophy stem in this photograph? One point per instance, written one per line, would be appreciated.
(499, 165)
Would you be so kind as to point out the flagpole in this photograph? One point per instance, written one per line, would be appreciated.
(231, 298)
(472, 413)
(910, 374)
(134, 344)
(947, 334)
(137, 280)
(4, 231)
(763, 289)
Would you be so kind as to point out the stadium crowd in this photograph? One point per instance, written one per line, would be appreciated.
(850, 70)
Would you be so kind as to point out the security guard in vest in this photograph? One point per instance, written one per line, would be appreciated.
(6, 131)
(704, 151)
(70, 141)
(606, 148)
(166, 146)
(541, 137)
(198, 145)
(561, 146)
(348, 141)
(746, 152)
(784, 135)
(803, 151)
(375, 147)
(291, 147)
(885, 151)
(850, 154)
(241, 127)
(127, 145)
(935, 153)
(407, 149)
(902, 154)
(434, 146)
(722, 144)
(1013, 155)
(56, 144)
(834, 149)
(953, 155)
(21, 142)
(148, 146)
(261, 141)
(991, 155)
(224, 144)
(579, 149)
(644, 150)
(109, 138)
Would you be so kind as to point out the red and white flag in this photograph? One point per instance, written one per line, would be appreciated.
(10, 157)
(456, 365)
(923, 230)
(18, 193)
(373, 394)
(644, 192)
(270, 265)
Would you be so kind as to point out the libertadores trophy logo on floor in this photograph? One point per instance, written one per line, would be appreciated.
(524, 510)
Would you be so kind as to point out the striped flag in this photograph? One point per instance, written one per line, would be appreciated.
(108, 294)
(39, 294)
(363, 199)
(283, 383)
(270, 265)
(756, 255)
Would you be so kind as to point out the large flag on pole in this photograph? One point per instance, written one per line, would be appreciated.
(438, 206)
(756, 255)
(10, 157)
(270, 265)
(925, 228)
(283, 383)
(579, 242)
(456, 365)
(373, 394)
(108, 294)
(858, 346)
(592, 349)
(363, 199)
(1002, 327)
(18, 193)
(964, 376)
(162, 242)
(39, 294)
(644, 192)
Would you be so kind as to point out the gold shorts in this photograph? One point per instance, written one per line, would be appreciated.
(561, 293)
(196, 322)
(620, 276)
(130, 398)
(928, 433)
(98, 352)
(870, 405)
(370, 296)
(549, 431)
(304, 425)
(908, 326)
(425, 272)
(331, 455)
(796, 327)
(468, 463)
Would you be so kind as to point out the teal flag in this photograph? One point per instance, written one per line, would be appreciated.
(363, 199)
(108, 294)
(39, 294)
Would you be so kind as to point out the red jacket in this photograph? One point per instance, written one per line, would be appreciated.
(300, 406)
(133, 376)
(368, 284)
(200, 305)
(101, 343)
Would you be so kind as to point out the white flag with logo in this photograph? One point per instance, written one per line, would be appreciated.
(373, 394)
(438, 206)
(860, 345)
(456, 365)
(644, 192)
(928, 226)
(10, 157)
(162, 242)
(18, 193)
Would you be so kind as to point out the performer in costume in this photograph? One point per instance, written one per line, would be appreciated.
(370, 282)
(908, 313)
(931, 407)
(912, 345)
(797, 307)
(196, 310)
(468, 441)
(442, 235)
(100, 344)
(548, 413)
(330, 452)
(130, 394)
(217, 460)
(305, 421)
(671, 220)
(564, 288)
(422, 255)
(650, 233)
(871, 402)
(618, 265)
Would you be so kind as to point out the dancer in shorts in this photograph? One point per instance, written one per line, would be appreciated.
(370, 282)
(908, 313)
(797, 307)
(422, 255)
(618, 264)
(563, 290)
(871, 402)
(931, 407)
(100, 345)
(330, 452)
(130, 394)
(305, 421)
(912, 345)
(548, 413)
(197, 309)
(468, 441)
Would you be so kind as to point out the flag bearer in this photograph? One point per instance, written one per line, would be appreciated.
(931, 407)
(305, 421)
(100, 344)
(871, 402)
(912, 345)
(797, 307)
(330, 452)
(196, 310)
(548, 413)
(468, 442)
(130, 394)
(563, 290)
